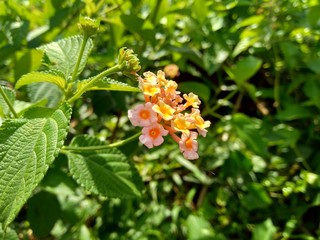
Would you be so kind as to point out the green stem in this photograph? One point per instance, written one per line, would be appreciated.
(6, 99)
(276, 90)
(79, 92)
(155, 13)
(76, 68)
(102, 147)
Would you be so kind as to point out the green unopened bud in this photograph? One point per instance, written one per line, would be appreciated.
(128, 61)
(88, 25)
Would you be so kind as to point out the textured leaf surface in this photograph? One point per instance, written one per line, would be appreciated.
(4, 109)
(39, 91)
(109, 84)
(27, 147)
(63, 54)
(107, 172)
(35, 77)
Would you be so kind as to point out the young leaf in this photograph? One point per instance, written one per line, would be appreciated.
(27, 148)
(11, 96)
(35, 77)
(63, 54)
(106, 172)
(108, 84)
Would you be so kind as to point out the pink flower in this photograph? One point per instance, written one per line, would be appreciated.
(189, 146)
(142, 115)
(152, 135)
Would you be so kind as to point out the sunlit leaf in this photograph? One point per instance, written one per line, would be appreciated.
(108, 84)
(36, 77)
(199, 228)
(63, 54)
(106, 172)
(48, 91)
(27, 148)
(264, 230)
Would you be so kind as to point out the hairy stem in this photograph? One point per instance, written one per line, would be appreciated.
(6, 99)
(84, 88)
(76, 68)
(102, 147)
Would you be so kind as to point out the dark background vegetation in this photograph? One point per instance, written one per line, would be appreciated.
(256, 67)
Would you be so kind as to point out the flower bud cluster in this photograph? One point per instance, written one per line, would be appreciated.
(88, 25)
(166, 112)
(128, 61)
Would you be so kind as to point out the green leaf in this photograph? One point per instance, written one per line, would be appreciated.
(41, 217)
(314, 65)
(28, 61)
(106, 172)
(27, 148)
(36, 77)
(246, 42)
(199, 228)
(244, 69)
(312, 90)
(249, 131)
(293, 112)
(252, 20)
(201, 176)
(313, 16)
(9, 234)
(11, 96)
(200, 10)
(108, 84)
(50, 92)
(21, 107)
(256, 197)
(264, 230)
(214, 56)
(291, 53)
(132, 22)
(283, 135)
(63, 54)
(202, 90)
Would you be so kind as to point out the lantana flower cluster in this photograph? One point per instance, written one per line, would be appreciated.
(166, 112)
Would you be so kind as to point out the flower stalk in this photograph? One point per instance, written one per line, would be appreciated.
(102, 147)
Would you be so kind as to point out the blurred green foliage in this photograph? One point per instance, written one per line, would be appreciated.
(256, 67)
